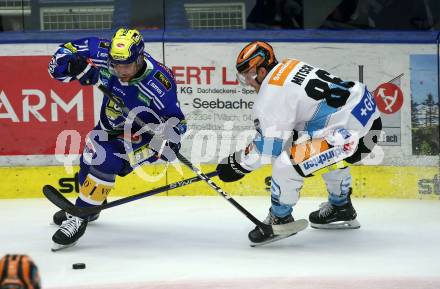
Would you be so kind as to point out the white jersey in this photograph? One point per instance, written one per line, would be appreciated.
(301, 97)
(307, 99)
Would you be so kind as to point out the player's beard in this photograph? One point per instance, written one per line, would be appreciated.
(125, 78)
(127, 75)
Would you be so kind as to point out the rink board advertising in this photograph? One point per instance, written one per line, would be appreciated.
(34, 108)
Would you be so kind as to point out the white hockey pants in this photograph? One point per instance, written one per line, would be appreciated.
(287, 183)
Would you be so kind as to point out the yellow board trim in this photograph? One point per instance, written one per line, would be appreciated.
(368, 182)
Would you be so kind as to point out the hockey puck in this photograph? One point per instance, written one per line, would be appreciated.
(79, 266)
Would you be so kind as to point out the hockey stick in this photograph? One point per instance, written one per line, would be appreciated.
(268, 229)
(59, 200)
(390, 81)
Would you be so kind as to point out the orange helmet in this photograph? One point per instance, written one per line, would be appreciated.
(18, 272)
(256, 54)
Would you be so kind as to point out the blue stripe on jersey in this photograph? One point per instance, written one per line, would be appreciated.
(268, 146)
(159, 104)
(156, 100)
(320, 117)
(334, 85)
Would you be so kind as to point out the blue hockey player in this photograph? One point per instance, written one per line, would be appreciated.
(144, 85)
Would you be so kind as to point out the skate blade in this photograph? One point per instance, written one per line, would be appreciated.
(274, 239)
(291, 228)
(342, 225)
(58, 247)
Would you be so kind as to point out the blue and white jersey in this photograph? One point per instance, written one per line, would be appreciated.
(153, 91)
(296, 96)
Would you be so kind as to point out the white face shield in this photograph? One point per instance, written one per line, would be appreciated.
(248, 78)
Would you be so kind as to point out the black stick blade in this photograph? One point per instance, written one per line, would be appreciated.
(56, 197)
(59, 200)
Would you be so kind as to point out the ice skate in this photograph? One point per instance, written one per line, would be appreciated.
(61, 216)
(69, 232)
(258, 237)
(334, 217)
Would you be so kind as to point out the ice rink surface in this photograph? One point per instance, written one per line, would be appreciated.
(201, 242)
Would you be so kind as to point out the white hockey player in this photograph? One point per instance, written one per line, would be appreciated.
(297, 101)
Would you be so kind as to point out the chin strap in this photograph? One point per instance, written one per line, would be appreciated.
(256, 79)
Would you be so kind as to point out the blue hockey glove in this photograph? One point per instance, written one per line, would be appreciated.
(85, 72)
